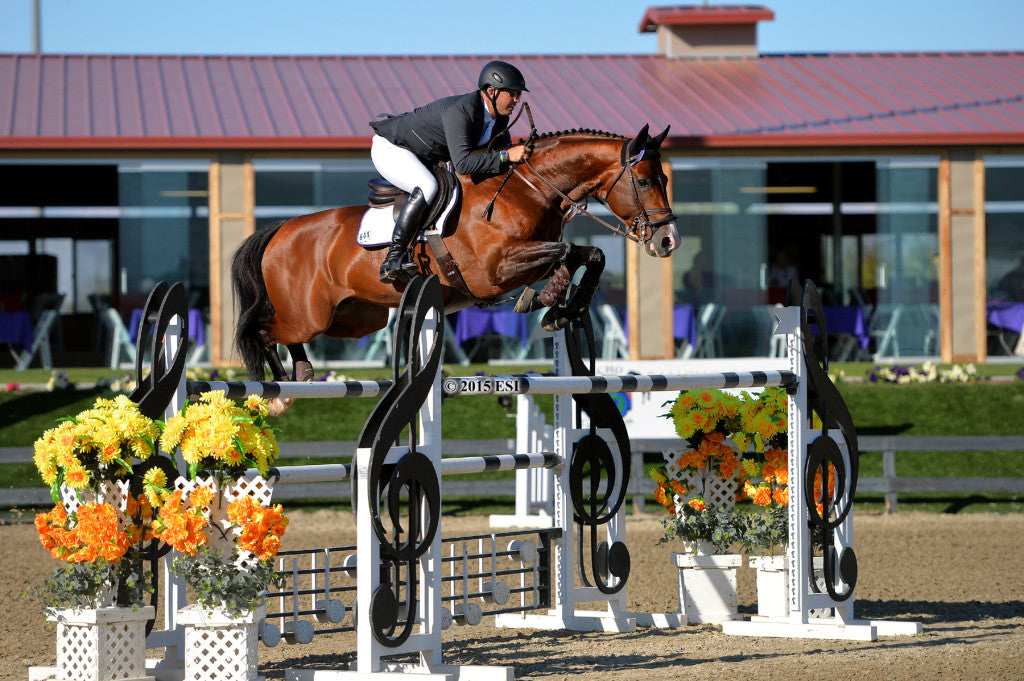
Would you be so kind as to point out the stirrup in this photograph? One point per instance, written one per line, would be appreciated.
(402, 272)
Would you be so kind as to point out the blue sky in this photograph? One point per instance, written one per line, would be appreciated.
(507, 28)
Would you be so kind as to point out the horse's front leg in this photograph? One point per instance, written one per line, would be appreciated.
(591, 258)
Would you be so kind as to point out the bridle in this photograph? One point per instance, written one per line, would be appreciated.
(640, 229)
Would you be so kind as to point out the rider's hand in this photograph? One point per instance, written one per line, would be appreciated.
(518, 153)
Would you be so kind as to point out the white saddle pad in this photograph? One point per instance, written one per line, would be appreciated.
(378, 224)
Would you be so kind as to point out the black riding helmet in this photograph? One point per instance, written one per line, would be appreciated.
(502, 76)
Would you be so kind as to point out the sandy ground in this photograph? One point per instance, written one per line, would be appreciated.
(960, 576)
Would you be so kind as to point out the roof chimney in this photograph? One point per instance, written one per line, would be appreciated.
(696, 31)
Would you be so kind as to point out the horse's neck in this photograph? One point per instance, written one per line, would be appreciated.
(574, 163)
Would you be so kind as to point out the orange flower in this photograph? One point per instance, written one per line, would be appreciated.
(201, 497)
(697, 504)
(729, 465)
(781, 496)
(762, 495)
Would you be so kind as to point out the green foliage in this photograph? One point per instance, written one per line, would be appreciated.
(766, 531)
(77, 585)
(719, 527)
(216, 581)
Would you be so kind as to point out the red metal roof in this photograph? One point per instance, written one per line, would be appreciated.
(698, 15)
(57, 101)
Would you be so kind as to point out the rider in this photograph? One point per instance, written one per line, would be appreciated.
(444, 130)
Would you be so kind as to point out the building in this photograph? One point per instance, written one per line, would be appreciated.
(895, 180)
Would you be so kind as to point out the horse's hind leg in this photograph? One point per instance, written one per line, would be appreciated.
(274, 361)
(302, 368)
(302, 371)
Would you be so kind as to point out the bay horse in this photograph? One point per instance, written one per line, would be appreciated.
(307, 275)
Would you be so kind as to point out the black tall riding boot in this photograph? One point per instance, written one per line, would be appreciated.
(396, 265)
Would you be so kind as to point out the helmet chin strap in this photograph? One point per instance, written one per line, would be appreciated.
(494, 102)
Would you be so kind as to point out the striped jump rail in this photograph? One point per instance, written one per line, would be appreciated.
(527, 384)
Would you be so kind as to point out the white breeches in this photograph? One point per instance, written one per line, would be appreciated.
(402, 168)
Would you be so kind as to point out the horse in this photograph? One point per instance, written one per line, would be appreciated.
(307, 275)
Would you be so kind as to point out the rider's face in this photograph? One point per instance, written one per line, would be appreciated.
(506, 100)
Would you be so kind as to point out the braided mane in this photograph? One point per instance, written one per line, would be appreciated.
(580, 131)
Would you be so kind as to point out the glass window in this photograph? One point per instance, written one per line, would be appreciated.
(1004, 252)
(1004, 233)
(721, 263)
(164, 230)
(286, 189)
(862, 230)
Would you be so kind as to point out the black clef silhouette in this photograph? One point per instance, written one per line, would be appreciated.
(824, 453)
(595, 472)
(393, 605)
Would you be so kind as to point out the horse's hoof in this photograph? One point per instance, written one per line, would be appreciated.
(303, 371)
(277, 406)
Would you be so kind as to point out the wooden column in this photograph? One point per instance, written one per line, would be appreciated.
(232, 218)
(962, 256)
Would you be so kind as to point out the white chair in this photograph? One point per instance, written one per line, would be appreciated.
(930, 314)
(49, 314)
(614, 344)
(766, 315)
(119, 339)
(709, 330)
(884, 329)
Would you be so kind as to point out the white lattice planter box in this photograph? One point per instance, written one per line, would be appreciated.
(101, 644)
(220, 646)
(707, 587)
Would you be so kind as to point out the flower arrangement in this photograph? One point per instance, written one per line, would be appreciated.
(233, 577)
(96, 445)
(217, 436)
(699, 487)
(928, 373)
(59, 381)
(99, 538)
(227, 539)
(100, 545)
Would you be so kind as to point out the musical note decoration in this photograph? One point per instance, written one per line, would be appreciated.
(597, 476)
(412, 482)
(826, 511)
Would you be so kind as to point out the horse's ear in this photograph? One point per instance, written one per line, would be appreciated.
(636, 145)
(658, 139)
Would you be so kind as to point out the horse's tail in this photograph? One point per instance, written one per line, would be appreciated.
(255, 310)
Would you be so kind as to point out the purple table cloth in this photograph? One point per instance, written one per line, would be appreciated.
(16, 328)
(474, 322)
(684, 324)
(1009, 316)
(196, 325)
(848, 320)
